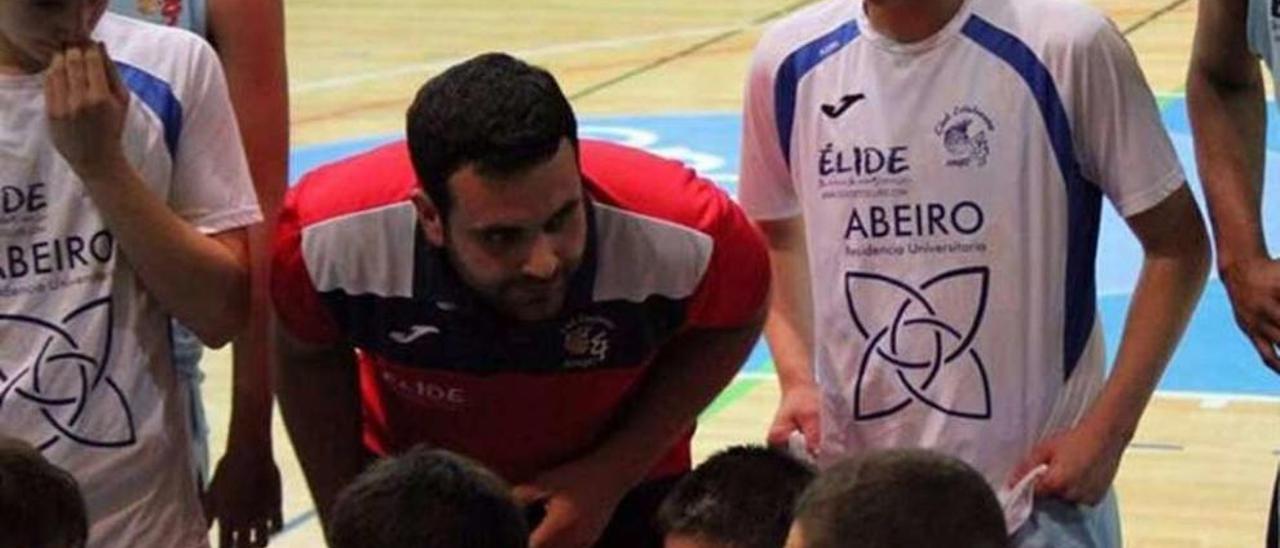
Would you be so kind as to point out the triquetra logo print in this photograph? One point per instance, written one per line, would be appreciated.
(59, 389)
(918, 343)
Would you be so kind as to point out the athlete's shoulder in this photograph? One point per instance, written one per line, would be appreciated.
(795, 31)
(643, 183)
(149, 46)
(370, 180)
(686, 236)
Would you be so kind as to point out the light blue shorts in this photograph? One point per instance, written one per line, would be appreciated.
(1055, 523)
(187, 350)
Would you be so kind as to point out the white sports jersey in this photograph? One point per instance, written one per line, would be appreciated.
(85, 371)
(951, 191)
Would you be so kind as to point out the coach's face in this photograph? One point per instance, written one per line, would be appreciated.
(32, 31)
(517, 239)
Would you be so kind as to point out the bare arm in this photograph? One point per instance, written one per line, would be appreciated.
(245, 493)
(1083, 461)
(201, 280)
(249, 36)
(686, 375)
(789, 330)
(320, 400)
(689, 372)
(1174, 268)
(1226, 99)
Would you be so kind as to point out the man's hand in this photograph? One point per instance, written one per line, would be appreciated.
(1082, 464)
(86, 104)
(579, 497)
(1254, 288)
(797, 412)
(244, 498)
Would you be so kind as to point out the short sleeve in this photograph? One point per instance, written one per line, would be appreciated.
(765, 188)
(735, 287)
(212, 188)
(1125, 149)
(297, 303)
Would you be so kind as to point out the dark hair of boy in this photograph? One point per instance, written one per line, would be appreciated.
(740, 497)
(40, 504)
(427, 498)
(901, 498)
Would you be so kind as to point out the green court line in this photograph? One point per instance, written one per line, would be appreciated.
(736, 390)
(1164, 98)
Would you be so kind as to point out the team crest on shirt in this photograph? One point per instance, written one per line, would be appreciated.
(917, 343)
(965, 133)
(66, 393)
(586, 341)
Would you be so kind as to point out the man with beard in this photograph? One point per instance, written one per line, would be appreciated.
(558, 310)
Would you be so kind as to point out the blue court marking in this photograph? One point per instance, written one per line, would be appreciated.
(1214, 358)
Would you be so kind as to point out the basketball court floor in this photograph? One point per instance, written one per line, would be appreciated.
(667, 76)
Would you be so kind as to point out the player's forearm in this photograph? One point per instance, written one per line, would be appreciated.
(1228, 120)
(253, 356)
(789, 327)
(788, 333)
(319, 399)
(252, 50)
(1167, 292)
(201, 280)
(685, 377)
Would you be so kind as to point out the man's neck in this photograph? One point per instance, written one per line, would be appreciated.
(909, 21)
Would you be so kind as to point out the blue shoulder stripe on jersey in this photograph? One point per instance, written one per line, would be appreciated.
(1084, 199)
(794, 67)
(158, 96)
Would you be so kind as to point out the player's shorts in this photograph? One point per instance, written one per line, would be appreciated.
(1055, 523)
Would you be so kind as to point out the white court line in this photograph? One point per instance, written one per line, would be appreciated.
(546, 51)
(1216, 396)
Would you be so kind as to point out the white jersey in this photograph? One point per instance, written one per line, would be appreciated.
(951, 191)
(85, 371)
(1264, 34)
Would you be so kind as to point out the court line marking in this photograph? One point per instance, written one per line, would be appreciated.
(1216, 396)
(545, 51)
(295, 522)
(1156, 446)
(736, 390)
(686, 52)
(1153, 16)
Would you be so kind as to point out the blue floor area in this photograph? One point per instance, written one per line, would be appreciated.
(1213, 358)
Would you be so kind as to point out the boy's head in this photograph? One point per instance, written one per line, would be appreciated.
(739, 498)
(32, 31)
(899, 498)
(40, 504)
(426, 499)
